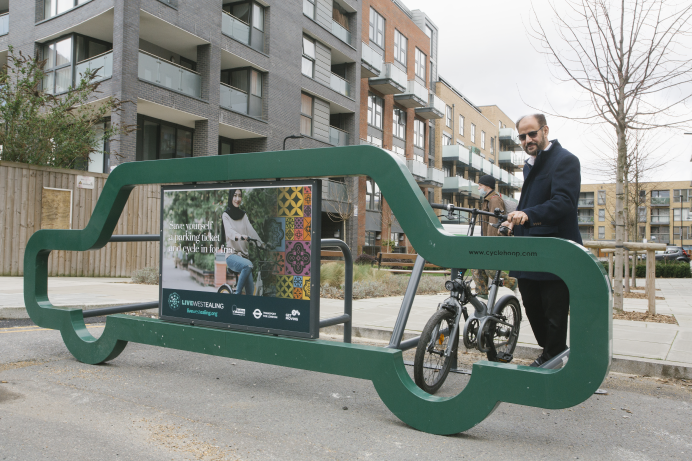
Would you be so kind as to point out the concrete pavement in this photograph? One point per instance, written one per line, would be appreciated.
(637, 342)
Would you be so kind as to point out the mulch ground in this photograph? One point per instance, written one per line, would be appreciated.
(639, 296)
(644, 317)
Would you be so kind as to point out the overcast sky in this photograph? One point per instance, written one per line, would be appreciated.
(485, 52)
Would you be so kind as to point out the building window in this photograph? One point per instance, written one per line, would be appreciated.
(374, 140)
(306, 114)
(372, 196)
(419, 133)
(601, 215)
(308, 56)
(448, 116)
(473, 133)
(399, 119)
(375, 107)
(400, 46)
(601, 232)
(159, 139)
(642, 232)
(376, 28)
(642, 196)
(492, 146)
(309, 8)
(461, 125)
(641, 212)
(56, 7)
(429, 33)
(482, 139)
(601, 197)
(58, 67)
(499, 124)
(681, 232)
(447, 171)
(685, 214)
(247, 81)
(446, 139)
(225, 146)
(660, 215)
(420, 64)
(399, 151)
(682, 195)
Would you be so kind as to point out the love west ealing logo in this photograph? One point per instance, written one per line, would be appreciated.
(175, 302)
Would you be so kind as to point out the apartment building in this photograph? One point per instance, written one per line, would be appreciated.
(398, 107)
(474, 141)
(658, 212)
(205, 77)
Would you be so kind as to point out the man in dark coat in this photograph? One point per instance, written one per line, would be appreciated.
(547, 208)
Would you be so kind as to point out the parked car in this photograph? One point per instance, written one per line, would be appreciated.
(673, 253)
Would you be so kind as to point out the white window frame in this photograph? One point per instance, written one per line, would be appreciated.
(461, 125)
(400, 47)
(375, 110)
(307, 58)
(421, 58)
(419, 133)
(448, 116)
(482, 139)
(399, 123)
(377, 28)
(473, 133)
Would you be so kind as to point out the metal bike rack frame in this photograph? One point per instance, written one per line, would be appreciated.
(401, 320)
(347, 318)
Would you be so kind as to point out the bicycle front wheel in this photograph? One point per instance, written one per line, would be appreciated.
(431, 366)
(505, 335)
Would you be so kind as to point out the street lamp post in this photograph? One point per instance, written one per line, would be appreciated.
(293, 136)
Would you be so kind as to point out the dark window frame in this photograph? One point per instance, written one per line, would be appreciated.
(139, 153)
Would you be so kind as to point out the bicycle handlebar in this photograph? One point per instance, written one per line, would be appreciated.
(453, 208)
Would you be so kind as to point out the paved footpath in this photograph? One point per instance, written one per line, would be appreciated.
(636, 341)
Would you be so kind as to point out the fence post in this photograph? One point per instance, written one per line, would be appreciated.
(651, 280)
(610, 268)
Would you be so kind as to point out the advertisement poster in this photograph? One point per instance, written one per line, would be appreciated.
(244, 256)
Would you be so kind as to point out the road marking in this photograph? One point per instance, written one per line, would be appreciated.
(30, 329)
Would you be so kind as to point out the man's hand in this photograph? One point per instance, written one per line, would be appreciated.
(517, 217)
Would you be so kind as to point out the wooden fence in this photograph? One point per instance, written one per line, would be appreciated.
(22, 211)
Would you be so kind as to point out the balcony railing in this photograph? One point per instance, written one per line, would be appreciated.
(372, 59)
(343, 34)
(660, 238)
(340, 85)
(435, 108)
(510, 135)
(435, 176)
(239, 101)
(660, 201)
(417, 168)
(170, 75)
(585, 219)
(241, 31)
(486, 167)
(102, 62)
(334, 191)
(511, 157)
(586, 236)
(391, 80)
(660, 220)
(585, 202)
(5, 24)
(337, 136)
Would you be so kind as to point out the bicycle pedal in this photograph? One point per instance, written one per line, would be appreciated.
(504, 357)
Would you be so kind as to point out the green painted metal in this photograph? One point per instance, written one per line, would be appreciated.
(490, 383)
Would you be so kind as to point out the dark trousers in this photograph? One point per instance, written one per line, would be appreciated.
(546, 303)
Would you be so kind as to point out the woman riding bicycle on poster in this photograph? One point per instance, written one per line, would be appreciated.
(237, 229)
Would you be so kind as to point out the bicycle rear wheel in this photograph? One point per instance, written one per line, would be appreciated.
(225, 288)
(505, 337)
(431, 366)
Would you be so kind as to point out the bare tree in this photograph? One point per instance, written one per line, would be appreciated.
(627, 58)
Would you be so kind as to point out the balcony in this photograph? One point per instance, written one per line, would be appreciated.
(337, 136)
(334, 191)
(4, 24)
(509, 135)
(486, 167)
(371, 63)
(660, 201)
(515, 182)
(585, 203)
(584, 220)
(392, 80)
(341, 33)
(102, 62)
(434, 110)
(434, 178)
(418, 169)
(239, 101)
(512, 158)
(463, 155)
(416, 95)
(510, 200)
(167, 74)
(455, 184)
(660, 220)
(241, 31)
(340, 85)
(660, 238)
(586, 236)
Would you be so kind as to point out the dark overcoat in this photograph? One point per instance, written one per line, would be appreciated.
(549, 198)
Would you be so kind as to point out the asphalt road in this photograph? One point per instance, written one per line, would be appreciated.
(159, 404)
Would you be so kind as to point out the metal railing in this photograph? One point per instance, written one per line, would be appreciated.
(436, 103)
(342, 33)
(435, 175)
(371, 58)
(660, 238)
(585, 202)
(337, 136)
(586, 236)
(417, 168)
(5, 24)
(170, 75)
(660, 219)
(103, 62)
(515, 158)
(416, 89)
(340, 85)
(509, 134)
(583, 219)
(241, 31)
(238, 100)
(347, 317)
(334, 191)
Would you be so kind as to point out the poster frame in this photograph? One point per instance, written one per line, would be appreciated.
(315, 246)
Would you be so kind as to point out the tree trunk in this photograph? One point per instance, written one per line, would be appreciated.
(619, 209)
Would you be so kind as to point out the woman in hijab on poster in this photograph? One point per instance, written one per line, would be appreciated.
(237, 229)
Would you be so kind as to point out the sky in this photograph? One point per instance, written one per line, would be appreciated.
(485, 52)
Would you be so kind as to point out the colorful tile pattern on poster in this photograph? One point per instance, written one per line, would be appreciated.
(290, 203)
(284, 286)
(298, 258)
(276, 233)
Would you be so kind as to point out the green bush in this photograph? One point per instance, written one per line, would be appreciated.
(148, 276)
(664, 269)
(203, 261)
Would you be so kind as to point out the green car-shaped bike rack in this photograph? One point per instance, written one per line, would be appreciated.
(490, 382)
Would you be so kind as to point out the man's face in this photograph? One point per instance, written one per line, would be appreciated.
(485, 188)
(532, 145)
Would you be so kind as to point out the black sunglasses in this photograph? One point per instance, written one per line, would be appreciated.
(530, 134)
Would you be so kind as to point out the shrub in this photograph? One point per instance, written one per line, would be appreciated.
(664, 269)
(365, 259)
(203, 261)
(147, 276)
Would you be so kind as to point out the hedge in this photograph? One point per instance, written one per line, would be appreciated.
(664, 270)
